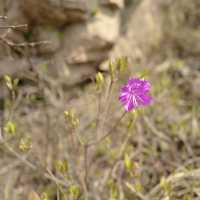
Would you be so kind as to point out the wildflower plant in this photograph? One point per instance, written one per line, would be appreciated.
(74, 174)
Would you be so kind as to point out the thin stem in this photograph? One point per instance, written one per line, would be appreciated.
(108, 96)
(24, 44)
(138, 194)
(109, 132)
(47, 175)
(14, 26)
(84, 178)
(86, 167)
(121, 153)
(58, 194)
(29, 164)
(98, 114)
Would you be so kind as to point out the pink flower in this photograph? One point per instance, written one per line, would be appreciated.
(135, 94)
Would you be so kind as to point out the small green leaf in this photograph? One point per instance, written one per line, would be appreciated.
(61, 166)
(8, 81)
(166, 185)
(25, 144)
(74, 191)
(71, 118)
(10, 128)
(122, 64)
(33, 196)
(15, 82)
(99, 80)
(111, 69)
(187, 197)
(128, 163)
(44, 196)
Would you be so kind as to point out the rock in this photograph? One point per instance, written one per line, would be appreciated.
(77, 44)
(49, 34)
(4, 51)
(12, 67)
(55, 68)
(113, 3)
(182, 18)
(91, 42)
(54, 12)
(159, 29)
(92, 4)
(196, 86)
(105, 25)
(15, 14)
(79, 73)
(143, 34)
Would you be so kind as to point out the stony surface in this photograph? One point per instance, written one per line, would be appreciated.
(164, 29)
(54, 12)
(81, 35)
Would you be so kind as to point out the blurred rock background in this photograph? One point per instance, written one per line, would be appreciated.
(83, 34)
(80, 34)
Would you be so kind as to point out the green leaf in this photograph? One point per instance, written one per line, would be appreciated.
(10, 128)
(187, 197)
(164, 183)
(99, 80)
(33, 196)
(44, 196)
(122, 64)
(74, 191)
(128, 162)
(25, 144)
(61, 166)
(71, 118)
(8, 81)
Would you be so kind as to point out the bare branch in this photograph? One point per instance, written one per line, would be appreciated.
(14, 26)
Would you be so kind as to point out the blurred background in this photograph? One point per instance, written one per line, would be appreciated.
(50, 52)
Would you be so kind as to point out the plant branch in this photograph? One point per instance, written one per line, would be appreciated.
(109, 132)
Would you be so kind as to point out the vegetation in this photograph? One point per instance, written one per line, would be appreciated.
(79, 143)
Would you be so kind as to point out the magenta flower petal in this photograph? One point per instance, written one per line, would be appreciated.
(144, 100)
(135, 94)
